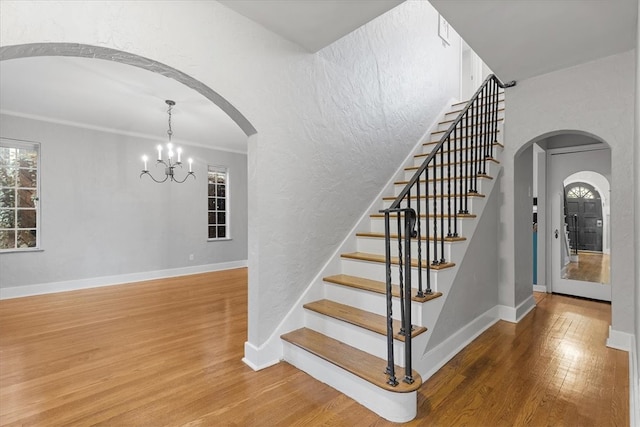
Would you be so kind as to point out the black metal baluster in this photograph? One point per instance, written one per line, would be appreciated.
(441, 198)
(400, 269)
(409, 220)
(456, 179)
(420, 293)
(485, 128)
(390, 360)
(449, 234)
(426, 198)
(435, 211)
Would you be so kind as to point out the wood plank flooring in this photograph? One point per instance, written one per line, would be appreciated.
(168, 353)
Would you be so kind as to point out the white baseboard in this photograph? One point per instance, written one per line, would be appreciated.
(437, 357)
(515, 314)
(540, 288)
(260, 358)
(95, 282)
(620, 340)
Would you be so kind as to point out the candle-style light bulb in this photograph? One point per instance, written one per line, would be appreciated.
(144, 159)
(190, 164)
(159, 152)
(179, 150)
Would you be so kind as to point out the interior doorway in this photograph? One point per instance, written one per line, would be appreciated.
(583, 216)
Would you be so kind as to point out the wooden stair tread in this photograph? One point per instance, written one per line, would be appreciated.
(395, 236)
(423, 216)
(431, 196)
(376, 286)
(422, 181)
(362, 318)
(489, 159)
(363, 256)
(357, 362)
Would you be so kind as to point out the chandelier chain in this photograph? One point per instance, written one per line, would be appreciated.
(170, 131)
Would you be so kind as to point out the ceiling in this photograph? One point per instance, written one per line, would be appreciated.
(312, 24)
(517, 39)
(124, 99)
(526, 38)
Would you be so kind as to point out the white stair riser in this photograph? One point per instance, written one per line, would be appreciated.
(377, 225)
(376, 271)
(371, 301)
(395, 407)
(355, 336)
(372, 245)
(482, 124)
(481, 181)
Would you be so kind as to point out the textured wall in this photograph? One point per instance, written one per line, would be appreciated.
(596, 98)
(332, 127)
(98, 218)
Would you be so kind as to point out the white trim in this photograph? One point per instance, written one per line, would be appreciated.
(540, 288)
(437, 357)
(95, 282)
(515, 315)
(619, 340)
(634, 386)
(294, 318)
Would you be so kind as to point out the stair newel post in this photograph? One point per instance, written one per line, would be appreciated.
(496, 112)
(467, 160)
(440, 197)
(390, 362)
(420, 293)
(409, 232)
(427, 233)
(474, 144)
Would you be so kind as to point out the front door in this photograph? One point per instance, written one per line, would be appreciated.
(583, 216)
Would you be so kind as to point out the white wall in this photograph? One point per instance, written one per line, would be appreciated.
(595, 98)
(98, 218)
(332, 126)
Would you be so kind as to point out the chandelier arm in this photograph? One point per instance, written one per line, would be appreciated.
(151, 176)
(185, 178)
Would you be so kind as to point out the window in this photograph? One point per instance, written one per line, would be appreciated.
(218, 207)
(579, 192)
(19, 178)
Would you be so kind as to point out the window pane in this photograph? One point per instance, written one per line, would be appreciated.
(212, 190)
(212, 204)
(221, 190)
(26, 198)
(7, 239)
(8, 156)
(221, 231)
(28, 158)
(221, 204)
(212, 232)
(7, 177)
(26, 238)
(26, 218)
(221, 178)
(7, 218)
(221, 218)
(212, 217)
(27, 178)
(7, 198)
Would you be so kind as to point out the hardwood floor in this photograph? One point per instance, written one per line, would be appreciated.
(592, 267)
(168, 353)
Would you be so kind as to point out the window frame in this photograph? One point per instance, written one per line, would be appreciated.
(36, 146)
(227, 225)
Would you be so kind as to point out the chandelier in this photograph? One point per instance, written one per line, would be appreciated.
(169, 163)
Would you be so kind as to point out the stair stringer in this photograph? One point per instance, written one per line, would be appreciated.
(272, 351)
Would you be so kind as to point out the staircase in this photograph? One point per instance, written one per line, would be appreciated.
(354, 337)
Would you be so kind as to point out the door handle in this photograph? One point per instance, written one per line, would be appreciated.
(556, 233)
